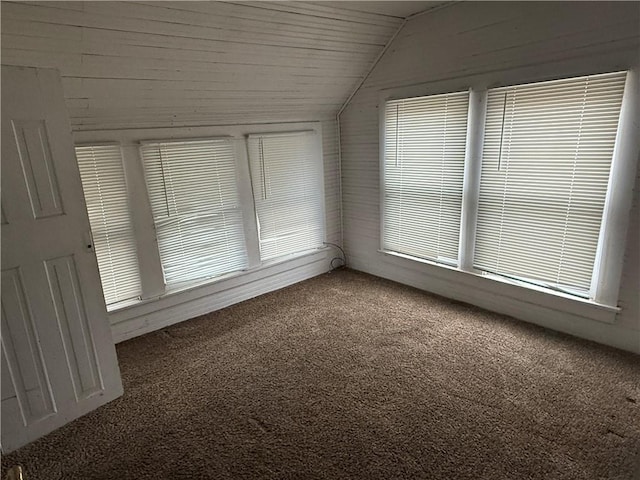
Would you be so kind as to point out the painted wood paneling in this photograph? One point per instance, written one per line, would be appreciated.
(492, 43)
(332, 206)
(629, 299)
(149, 65)
(146, 64)
(151, 316)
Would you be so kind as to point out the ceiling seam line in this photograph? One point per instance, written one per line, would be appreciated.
(384, 50)
(350, 97)
(339, 129)
(432, 9)
(373, 66)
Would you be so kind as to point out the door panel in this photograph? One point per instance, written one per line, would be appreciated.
(25, 363)
(58, 357)
(76, 331)
(34, 153)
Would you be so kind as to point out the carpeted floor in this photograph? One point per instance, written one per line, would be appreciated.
(350, 376)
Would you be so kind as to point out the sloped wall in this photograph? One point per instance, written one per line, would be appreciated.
(487, 43)
(162, 64)
(144, 65)
(148, 64)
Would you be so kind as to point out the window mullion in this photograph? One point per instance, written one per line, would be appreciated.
(472, 172)
(607, 271)
(151, 277)
(245, 194)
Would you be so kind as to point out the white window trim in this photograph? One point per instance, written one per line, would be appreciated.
(472, 174)
(611, 245)
(607, 270)
(199, 285)
(153, 286)
(523, 291)
(118, 304)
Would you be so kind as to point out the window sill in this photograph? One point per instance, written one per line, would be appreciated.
(186, 286)
(208, 282)
(515, 289)
(122, 304)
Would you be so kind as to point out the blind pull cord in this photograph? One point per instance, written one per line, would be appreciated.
(504, 110)
(397, 129)
(164, 182)
(264, 176)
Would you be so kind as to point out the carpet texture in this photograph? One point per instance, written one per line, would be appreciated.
(347, 376)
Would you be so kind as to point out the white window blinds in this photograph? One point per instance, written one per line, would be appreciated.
(287, 180)
(545, 167)
(105, 193)
(424, 150)
(194, 200)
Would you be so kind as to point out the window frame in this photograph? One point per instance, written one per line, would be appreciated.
(383, 195)
(607, 270)
(130, 140)
(125, 301)
(149, 144)
(315, 142)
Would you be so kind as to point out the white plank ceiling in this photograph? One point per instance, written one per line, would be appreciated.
(147, 64)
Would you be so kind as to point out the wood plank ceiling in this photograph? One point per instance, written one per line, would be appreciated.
(147, 64)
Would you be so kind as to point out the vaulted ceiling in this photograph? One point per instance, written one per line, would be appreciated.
(146, 64)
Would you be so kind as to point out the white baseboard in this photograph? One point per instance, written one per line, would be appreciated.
(486, 294)
(178, 307)
(172, 309)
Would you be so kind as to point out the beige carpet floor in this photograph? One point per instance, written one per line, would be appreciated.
(350, 376)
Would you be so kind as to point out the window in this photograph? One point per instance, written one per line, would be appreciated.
(535, 189)
(545, 167)
(105, 193)
(286, 176)
(193, 193)
(424, 153)
(177, 213)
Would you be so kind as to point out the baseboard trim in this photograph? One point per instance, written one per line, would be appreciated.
(605, 333)
(183, 306)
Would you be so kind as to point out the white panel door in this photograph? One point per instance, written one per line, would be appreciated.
(58, 357)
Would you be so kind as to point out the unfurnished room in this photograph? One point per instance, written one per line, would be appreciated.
(320, 240)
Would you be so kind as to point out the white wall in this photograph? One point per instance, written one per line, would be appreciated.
(145, 65)
(489, 43)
